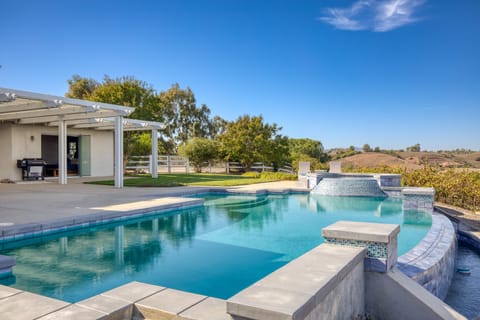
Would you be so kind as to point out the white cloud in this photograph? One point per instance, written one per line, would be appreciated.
(375, 15)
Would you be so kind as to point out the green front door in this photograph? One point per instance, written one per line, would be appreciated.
(84, 155)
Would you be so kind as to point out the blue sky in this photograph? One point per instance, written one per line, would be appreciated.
(390, 73)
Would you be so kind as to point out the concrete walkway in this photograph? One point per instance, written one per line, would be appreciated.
(468, 221)
(34, 202)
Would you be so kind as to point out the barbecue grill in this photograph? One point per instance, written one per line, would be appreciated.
(32, 168)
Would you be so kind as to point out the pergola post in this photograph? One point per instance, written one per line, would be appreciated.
(62, 152)
(154, 158)
(118, 157)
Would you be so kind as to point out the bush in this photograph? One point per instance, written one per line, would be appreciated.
(251, 174)
(199, 151)
(277, 176)
(459, 188)
(315, 164)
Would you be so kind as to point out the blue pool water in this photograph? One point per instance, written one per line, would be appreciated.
(464, 293)
(216, 250)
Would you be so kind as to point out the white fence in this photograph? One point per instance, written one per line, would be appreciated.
(287, 168)
(166, 164)
(177, 164)
(258, 166)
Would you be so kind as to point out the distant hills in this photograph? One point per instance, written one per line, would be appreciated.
(412, 160)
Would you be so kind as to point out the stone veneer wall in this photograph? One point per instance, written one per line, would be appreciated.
(432, 262)
(388, 180)
(418, 202)
(346, 186)
(394, 192)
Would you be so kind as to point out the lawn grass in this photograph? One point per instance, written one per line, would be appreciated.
(194, 179)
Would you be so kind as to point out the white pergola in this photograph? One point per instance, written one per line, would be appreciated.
(23, 107)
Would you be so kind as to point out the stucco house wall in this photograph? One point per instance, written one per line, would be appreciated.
(25, 141)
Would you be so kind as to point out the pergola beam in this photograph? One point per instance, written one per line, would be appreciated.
(77, 102)
(47, 113)
(26, 105)
(73, 123)
(125, 128)
(77, 116)
(128, 125)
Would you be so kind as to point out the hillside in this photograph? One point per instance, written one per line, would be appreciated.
(412, 160)
(376, 159)
(471, 158)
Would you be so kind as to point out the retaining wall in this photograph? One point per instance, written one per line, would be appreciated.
(432, 262)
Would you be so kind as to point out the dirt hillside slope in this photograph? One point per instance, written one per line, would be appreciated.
(376, 159)
(412, 160)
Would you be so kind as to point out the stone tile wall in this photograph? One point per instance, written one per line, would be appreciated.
(432, 262)
(418, 199)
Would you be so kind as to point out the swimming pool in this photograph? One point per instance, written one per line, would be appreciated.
(216, 250)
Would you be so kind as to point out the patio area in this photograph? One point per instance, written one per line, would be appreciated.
(34, 202)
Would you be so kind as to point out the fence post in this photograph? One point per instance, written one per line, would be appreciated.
(169, 165)
(228, 168)
(150, 164)
(187, 166)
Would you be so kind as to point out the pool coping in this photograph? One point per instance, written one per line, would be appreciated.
(101, 216)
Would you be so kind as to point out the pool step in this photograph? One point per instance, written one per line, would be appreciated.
(242, 204)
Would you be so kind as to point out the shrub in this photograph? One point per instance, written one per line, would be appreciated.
(315, 164)
(459, 188)
(277, 176)
(251, 174)
(199, 151)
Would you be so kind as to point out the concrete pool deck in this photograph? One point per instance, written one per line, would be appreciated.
(34, 202)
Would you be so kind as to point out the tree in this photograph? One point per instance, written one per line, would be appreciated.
(219, 125)
(367, 148)
(129, 91)
(183, 119)
(125, 91)
(249, 139)
(81, 88)
(305, 149)
(140, 144)
(377, 149)
(199, 151)
(176, 108)
(309, 147)
(414, 148)
(278, 153)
